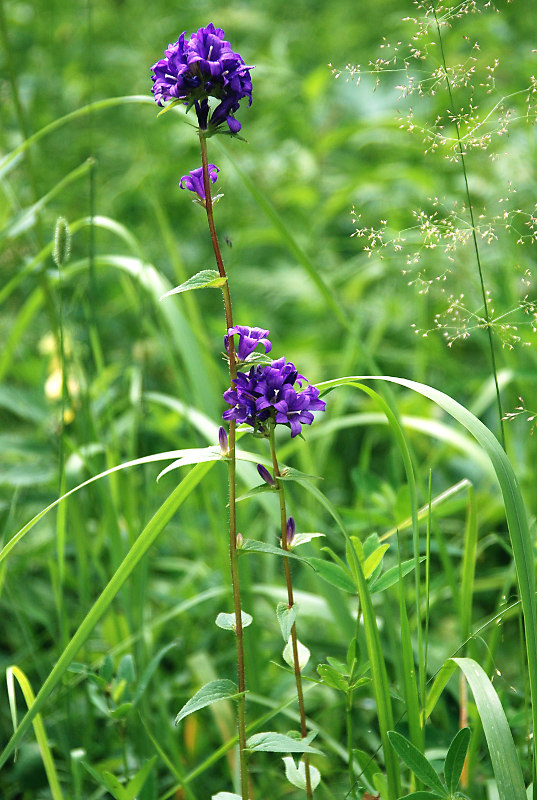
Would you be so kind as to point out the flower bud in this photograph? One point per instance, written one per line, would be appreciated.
(290, 531)
(222, 438)
(239, 541)
(265, 474)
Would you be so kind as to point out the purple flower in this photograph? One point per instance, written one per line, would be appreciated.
(249, 338)
(269, 393)
(290, 531)
(222, 440)
(265, 474)
(194, 180)
(204, 67)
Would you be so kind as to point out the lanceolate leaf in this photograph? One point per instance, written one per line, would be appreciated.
(253, 546)
(391, 576)
(207, 695)
(206, 279)
(455, 758)
(417, 762)
(333, 573)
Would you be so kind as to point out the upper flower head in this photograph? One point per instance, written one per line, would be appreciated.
(202, 67)
(194, 180)
(249, 338)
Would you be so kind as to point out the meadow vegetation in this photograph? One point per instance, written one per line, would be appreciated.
(379, 220)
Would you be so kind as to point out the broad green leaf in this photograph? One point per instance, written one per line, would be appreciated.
(391, 576)
(503, 753)
(271, 742)
(207, 278)
(297, 776)
(417, 762)
(206, 696)
(455, 758)
(333, 573)
(227, 621)
(302, 651)
(253, 546)
(286, 618)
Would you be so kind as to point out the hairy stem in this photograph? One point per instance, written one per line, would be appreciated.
(290, 603)
(233, 555)
(474, 237)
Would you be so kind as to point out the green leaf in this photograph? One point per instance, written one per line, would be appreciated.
(455, 758)
(121, 711)
(168, 107)
(114, 786)
(417, 762)
(297, 776)
(264, 487)
(391, 576)
(136, 783)
(332, 573)
(286, 618)
(140, 547)
(206, 279)
(206, 696)
(331, 677)
(503, 753)
(372, 562)
(126, 670)
(421, 795)
(227, 621)
(271, 742)
(253, 546)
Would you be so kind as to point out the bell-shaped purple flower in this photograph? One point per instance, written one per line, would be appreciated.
(249, 338)
(194, 180)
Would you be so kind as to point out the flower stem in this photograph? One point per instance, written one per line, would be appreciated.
(233, 555)
(474, 237)
(290, 602)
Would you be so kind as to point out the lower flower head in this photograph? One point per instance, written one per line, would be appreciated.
(273, 392)
(194, 180)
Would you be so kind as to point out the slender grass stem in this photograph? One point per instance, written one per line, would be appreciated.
(474, 238)
(290, 602)
(233, 556)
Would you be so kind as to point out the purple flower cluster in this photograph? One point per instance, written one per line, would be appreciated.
(268, 392)
(201, 67)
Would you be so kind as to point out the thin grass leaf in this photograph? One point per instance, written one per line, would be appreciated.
(503, 753)
(515, 511)
(13, 673)
(140, 547)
